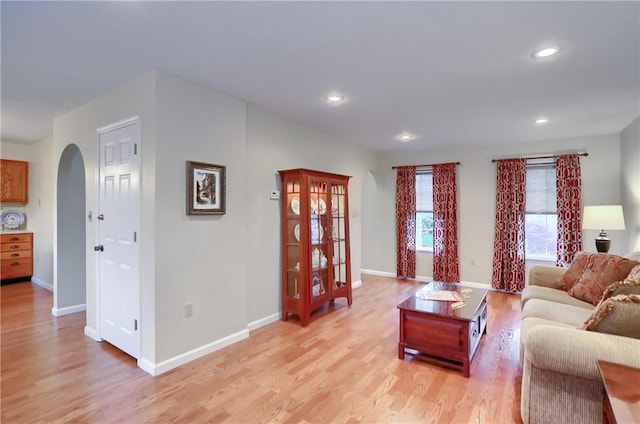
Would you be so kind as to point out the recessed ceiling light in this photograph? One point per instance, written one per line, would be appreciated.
(542, 121)
(405, 136)
(546, 52)
(335, 98)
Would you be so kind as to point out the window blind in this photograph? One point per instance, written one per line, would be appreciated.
(541, 189)
(424, 191)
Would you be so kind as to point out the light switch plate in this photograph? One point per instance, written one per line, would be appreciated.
(274, 195)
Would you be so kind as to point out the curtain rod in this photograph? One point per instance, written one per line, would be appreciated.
(543, 157)
(425, 166)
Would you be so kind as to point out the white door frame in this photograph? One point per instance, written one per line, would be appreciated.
(99, 132)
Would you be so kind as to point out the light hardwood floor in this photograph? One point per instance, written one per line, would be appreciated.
(342, 368)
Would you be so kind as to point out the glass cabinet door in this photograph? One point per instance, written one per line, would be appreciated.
(293, 237)
(339, 234)
(318, 226)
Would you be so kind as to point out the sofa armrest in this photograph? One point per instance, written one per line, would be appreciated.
(576, 352)
(546, 276)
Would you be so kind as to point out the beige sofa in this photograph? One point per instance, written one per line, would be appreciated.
(560, 378)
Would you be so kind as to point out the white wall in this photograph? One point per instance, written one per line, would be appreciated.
(79, 127)
(200, 260)
(476, 199)
(37, 212)
(275, 144)
(630, 183)
(226, 266)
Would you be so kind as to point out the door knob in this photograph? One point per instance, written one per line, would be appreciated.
(101, 217)
(98, 248)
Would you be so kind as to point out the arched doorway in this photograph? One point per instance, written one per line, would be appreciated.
(69, 292)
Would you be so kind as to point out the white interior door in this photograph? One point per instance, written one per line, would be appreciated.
(118, 248)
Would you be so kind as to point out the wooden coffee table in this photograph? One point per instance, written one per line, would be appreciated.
(440, 334)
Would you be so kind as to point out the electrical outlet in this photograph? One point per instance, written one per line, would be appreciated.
(188, 310)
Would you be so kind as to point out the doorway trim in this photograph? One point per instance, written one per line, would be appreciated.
(100, 131)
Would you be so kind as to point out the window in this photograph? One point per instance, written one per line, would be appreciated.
(541, 221)
(424, 211)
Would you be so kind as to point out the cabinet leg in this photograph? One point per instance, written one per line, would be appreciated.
(285, 315)
(400, 351)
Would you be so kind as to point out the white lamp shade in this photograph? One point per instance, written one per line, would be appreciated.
(603, 217)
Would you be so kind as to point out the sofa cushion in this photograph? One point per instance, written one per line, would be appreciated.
(554, 295)
(574, 272)
(601, 271)
(618, 315)
(567, 314)
(528, 324)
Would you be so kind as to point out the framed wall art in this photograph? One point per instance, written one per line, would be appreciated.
(205, 189)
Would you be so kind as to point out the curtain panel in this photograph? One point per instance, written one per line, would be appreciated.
(445, 223)
(569, 208)
(508, 249)
(406, 221)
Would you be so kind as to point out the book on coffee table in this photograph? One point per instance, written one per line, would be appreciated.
(442, 295)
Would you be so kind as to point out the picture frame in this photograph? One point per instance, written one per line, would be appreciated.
(206, 188)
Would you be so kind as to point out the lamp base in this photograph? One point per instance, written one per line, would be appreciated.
(603, 245)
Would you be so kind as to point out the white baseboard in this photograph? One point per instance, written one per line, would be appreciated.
(392, 275)
(380, 273)
(176, 361)
(424, 279)
(263, 321)
(478, 285)
(92, 333)
(356, 284)
(58, 312)
(42, 284)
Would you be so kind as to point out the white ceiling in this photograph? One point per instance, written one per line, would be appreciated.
(454, 73)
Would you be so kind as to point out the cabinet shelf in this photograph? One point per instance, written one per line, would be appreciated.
(314, 211)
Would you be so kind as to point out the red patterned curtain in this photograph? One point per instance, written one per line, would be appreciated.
(568, 191)
(406, 221)
(445, 223)
(508, 247)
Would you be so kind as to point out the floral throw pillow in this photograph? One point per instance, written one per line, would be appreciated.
(601, 271)
(575, 270)
(634, 275)
(617, 315)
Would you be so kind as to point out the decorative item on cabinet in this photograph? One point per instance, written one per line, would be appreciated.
(316, 265)
(16, 251)
(14, 175)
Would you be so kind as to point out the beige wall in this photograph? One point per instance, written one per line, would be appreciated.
(274, 144)
(79, 127)
(630, 183)
(476, 199)
(226, 266)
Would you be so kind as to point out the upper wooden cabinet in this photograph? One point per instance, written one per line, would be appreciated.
(14, 187)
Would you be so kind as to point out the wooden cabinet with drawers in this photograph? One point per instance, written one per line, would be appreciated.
(16, 251)
(14, 185)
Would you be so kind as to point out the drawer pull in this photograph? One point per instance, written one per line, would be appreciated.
(15, 263)
(14, 246)
(15, 255)
(14, 239)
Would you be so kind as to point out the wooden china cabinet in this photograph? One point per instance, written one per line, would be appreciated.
(316, 262)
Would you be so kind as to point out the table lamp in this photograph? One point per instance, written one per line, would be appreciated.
(603, 217)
